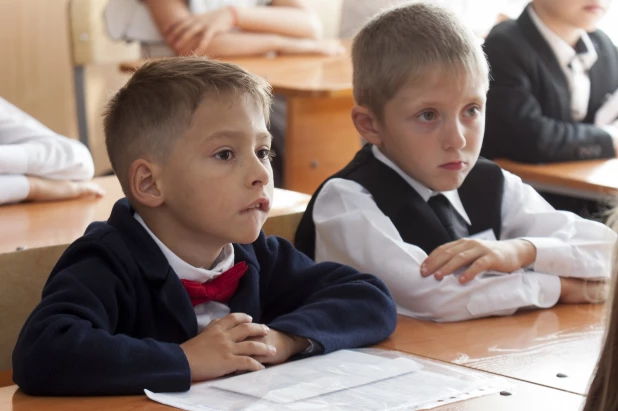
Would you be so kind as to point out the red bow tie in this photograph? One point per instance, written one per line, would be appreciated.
(221, 289)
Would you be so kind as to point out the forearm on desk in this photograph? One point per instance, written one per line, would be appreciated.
(286, 21)
(567, 245)
(13, 188)
(379, 250)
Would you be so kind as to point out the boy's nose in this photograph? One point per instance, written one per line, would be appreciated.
(257, 174)
(455, 137)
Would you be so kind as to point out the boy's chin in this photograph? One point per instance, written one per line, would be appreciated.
(247, 237)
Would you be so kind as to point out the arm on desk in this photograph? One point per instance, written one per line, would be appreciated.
(28, 147)
(566, 244)
(516, 127)
(185, 32)
(77, 342)
(351, 229)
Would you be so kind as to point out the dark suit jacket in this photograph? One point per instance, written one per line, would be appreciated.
(529, 104)
(114, 312)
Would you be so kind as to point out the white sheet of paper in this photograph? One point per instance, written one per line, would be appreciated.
(438, 384)
(318, 375)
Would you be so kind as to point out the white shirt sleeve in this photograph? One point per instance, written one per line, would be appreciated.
(567, 245)
(27, 147)
(351, 229)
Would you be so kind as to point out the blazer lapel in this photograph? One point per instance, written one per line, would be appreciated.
(545, 53)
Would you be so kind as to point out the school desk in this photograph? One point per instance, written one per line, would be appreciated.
(47, 224)
(320, 138)
(524, 396)
(557, 348)
(590, 179)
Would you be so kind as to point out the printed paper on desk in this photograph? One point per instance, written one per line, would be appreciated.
(608, 113)
(315, 376)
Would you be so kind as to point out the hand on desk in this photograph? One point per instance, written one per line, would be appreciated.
(479, 255)
(196, 31)
(578, 291)
(42, 189)
(286, 345)
(233, 343)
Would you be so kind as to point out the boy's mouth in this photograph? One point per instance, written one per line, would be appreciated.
(594, 8)
(261, 204)
(453, 165)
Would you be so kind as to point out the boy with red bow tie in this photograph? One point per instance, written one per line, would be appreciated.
(180, 284)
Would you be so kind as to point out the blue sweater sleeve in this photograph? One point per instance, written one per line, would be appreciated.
(330, 303)
(73, 343)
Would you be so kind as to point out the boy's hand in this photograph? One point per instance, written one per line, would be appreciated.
(578, 291)
(480, 255)
(199, 29)
(225, 347)
(287, 345)
(42, 189)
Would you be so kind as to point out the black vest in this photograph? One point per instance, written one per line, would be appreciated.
(481, 195)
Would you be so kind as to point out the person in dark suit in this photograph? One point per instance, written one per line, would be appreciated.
(552, 71)
(181, 284)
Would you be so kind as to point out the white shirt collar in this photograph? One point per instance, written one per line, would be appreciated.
(425, 192)
(563, 51)
(186, 271)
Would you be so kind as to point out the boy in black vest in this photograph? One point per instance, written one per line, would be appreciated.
(453, 236)
(180, 284)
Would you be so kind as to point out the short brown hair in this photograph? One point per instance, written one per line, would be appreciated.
(157, 104)
(402, 43)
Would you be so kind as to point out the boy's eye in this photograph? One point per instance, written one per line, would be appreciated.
(473, 111)
(428, 115)
(224, 155)
(266, 154)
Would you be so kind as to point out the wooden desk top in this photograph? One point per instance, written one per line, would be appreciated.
(34, 225)
(295, 75)
(525, 396)
(594, 176)
(533, 346)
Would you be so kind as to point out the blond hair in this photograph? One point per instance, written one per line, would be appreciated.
(156, 106)
(603, 391)
(401, 44)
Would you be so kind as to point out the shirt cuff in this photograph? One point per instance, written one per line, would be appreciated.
(549, 253)
(13, 188)
(13, 159)
(612, 130)
(313, 347)
(549, 288)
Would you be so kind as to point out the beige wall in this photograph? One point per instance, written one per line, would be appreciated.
(36, 73)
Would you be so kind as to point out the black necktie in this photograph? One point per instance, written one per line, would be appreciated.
(445, 212)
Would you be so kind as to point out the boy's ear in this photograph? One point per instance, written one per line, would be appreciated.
(145, 183)
(366, 124)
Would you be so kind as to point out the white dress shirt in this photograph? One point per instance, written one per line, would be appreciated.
(351, 229)
(208, 311)
(27, 147)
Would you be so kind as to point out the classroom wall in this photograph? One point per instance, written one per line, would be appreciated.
(36, 72)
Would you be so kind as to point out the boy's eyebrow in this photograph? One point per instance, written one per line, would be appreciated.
(226, 134)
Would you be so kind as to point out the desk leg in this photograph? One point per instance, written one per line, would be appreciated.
(320, 140)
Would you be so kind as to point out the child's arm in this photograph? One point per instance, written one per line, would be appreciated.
(185, 32)
(533, 234)
(333, 305)
(516, 126)
(351, 229)
(88, 336)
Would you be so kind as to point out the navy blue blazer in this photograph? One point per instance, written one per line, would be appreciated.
(113, 312)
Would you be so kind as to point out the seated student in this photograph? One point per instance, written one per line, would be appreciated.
(552, 74)
(405, 206)
(37, 164)
(219, 28)
(603, 390)
(180, 284)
